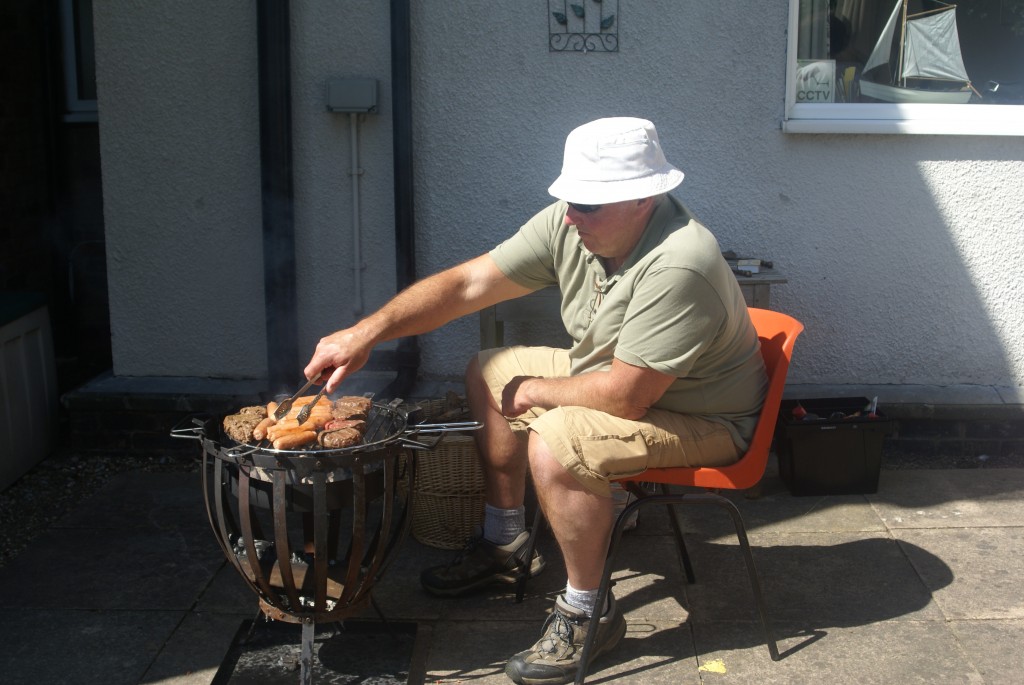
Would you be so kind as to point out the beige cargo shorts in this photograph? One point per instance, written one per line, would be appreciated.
(595, 446)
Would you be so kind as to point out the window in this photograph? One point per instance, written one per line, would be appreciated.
(905, 66)
(79, 60)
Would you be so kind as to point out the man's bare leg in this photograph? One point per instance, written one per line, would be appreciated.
(499, 555)
(581, 521)
(499, 450)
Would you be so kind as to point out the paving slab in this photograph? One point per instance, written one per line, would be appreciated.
(993, 647)
(950, 498)
(973, 573)
(194, 653)
(882, 652)
(649, 581)
(476, 651)
(777, 511)
(82, 647)
(104, 569)
(834, 579)
(227, 593)
(141, 499)
(652, 651)
(919, 582)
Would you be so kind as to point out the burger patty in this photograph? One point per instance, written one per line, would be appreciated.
(342, 437)
(351, 407)
(239, 426)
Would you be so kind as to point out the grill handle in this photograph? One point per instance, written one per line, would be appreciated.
(191, 427)
(438, 431)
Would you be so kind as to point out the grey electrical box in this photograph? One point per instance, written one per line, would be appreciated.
(352, 94)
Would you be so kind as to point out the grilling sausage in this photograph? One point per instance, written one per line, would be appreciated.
(315, 422)
(323, 404)
(260, 431)
(294, 439)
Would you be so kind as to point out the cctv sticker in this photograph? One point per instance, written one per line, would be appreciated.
(815, 80)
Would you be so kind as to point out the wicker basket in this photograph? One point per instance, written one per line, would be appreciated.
(448, 500)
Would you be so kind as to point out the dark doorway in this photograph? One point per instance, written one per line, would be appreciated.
(51, 201)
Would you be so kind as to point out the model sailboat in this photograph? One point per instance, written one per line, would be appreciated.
(925, 66)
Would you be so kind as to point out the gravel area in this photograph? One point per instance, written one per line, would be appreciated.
(56, 485)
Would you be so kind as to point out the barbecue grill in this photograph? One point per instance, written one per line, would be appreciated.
(311, 530)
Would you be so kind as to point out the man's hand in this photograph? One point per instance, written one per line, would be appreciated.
(337, 356)
(514, 400)
(625, 391)
(423, 306)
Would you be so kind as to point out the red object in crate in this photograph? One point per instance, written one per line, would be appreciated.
(834, 448)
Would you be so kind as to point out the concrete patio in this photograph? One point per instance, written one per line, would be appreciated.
(920, 582)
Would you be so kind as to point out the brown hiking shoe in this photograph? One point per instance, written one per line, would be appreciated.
(557, 656)
(480, 564)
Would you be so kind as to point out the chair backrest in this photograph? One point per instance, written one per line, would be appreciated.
(777, 333)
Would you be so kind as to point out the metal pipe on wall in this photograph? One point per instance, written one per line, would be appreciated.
(357, 247)
(401, 115)
(407, 356)
(273, 47)
(273, 51)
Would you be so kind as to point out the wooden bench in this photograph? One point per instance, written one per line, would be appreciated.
(543, 305)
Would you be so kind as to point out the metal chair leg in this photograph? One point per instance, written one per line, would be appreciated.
(526, 565)
(670, 501)
(748, 558)
(677, 530)
(606, 582)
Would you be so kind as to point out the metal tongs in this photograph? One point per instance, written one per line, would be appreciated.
(308, 409)
(286, 406)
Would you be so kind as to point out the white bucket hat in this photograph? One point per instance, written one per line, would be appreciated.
(612, 160)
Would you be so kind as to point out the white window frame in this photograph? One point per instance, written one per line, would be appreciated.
(77, 109)
(989, 120)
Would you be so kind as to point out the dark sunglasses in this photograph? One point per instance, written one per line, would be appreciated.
(584, 209)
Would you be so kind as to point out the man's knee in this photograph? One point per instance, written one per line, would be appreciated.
(544, 466)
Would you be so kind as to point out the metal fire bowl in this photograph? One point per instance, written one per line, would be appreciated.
(311, 531)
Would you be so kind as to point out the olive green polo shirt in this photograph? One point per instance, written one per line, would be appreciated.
(674, 306)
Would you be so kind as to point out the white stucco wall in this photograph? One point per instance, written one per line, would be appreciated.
(899, 249)
(179, 145)
(331, 40)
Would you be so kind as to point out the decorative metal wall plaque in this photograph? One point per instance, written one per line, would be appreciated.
(583, 25)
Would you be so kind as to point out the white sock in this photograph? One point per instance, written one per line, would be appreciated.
(502, 526)
(584, 600)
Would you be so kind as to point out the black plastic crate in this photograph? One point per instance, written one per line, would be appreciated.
(837, 453)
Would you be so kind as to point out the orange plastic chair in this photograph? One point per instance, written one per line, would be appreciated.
(777, 333)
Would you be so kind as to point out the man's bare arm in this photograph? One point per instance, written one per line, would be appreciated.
(422, 307)
(625, 390)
